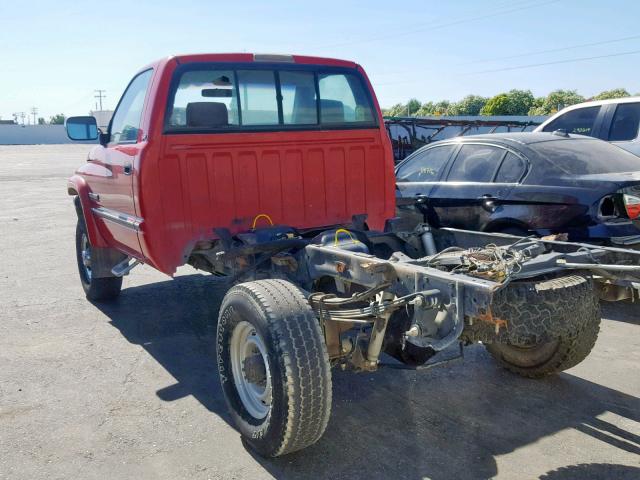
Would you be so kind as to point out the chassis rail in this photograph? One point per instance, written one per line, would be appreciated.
(438, 293)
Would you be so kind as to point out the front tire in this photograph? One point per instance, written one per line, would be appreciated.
(273, 366)
(95, 289)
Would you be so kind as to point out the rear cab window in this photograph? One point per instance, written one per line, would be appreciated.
(244, 97)
(579, 121)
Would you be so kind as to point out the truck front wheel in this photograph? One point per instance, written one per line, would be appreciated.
(96, 289)
(273, 366)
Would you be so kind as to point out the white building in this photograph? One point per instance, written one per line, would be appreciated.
(103, 117)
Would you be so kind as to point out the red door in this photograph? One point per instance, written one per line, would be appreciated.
(115, 168)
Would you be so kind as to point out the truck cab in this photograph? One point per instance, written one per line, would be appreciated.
(199, 143)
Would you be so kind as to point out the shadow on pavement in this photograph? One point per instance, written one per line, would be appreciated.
(626, 311)
(444, 423)
(594, 471)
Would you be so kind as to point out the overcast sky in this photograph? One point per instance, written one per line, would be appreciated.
(56, 52)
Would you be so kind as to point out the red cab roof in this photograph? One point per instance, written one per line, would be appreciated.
(259, 57)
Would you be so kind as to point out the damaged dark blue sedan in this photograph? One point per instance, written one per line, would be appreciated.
(524, 184)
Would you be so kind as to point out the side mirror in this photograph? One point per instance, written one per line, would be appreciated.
(82, 128)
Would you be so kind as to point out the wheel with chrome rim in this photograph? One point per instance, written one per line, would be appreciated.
(85, 253)
(273, 366)
(95, 289)
(250, 367)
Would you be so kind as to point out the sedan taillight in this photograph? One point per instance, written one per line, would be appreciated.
(632, 205)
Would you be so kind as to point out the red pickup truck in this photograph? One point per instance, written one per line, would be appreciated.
(275, 173)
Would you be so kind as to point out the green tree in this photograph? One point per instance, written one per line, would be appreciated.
(557, 100)
(514, 102)
(412, 107)
(498, 105)
(395, 111)
(469, 105)
(615, 93)
(41, 121)
(520, 101)
(57, 119)
(537, 103)
(426, 109)
(442, 107)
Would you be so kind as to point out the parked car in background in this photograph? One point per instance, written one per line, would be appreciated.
(525, 183)
(616, 121)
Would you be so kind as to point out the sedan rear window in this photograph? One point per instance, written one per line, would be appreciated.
(475, 163)
(583, 157)
(511, 170)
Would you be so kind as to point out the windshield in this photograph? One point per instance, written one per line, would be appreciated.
(583, 157)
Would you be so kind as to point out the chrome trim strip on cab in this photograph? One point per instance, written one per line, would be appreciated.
(124, 219)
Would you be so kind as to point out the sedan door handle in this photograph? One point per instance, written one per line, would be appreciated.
(127, 169)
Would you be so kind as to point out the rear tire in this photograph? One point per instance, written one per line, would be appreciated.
(273, 366)
(551, 326)
(95, 289)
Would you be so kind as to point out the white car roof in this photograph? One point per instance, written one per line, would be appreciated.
(591, 103)
(594, 103)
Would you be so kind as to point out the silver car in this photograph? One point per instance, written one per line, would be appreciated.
(615, 121)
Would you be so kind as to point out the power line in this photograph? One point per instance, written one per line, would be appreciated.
(557, 62)
(553, 50)
(100, 94)
(520, 55)
(443, 25)
(532, 65)
(34, 112)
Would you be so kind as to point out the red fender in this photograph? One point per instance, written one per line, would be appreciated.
(77, 186)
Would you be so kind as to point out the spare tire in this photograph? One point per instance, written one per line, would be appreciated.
(544, 326)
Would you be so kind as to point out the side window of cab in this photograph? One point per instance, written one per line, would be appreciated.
(125, 124)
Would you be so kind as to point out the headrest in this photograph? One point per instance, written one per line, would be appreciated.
(332, 111)
(207, 114)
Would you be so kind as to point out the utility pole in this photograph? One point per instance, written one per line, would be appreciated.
(100, 94)
(34, 112)
(22, 116)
